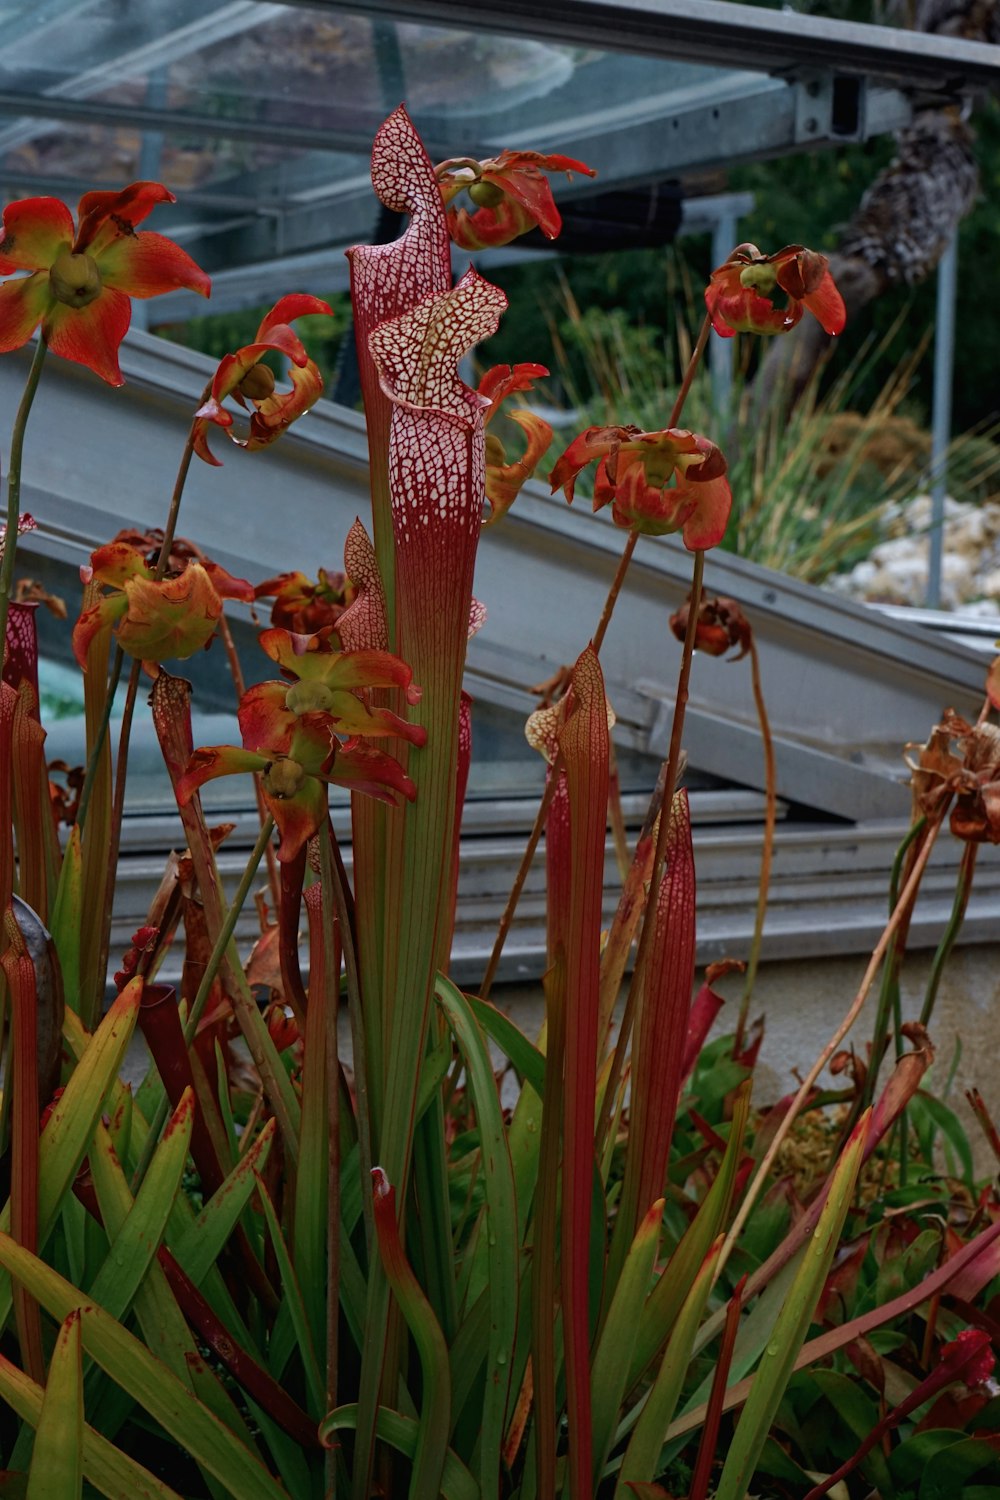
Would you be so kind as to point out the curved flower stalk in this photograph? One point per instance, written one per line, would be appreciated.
(511, 193)
(503, 479)
(251, 384)
(656, 482)
(740, 293)
(153, 618)
(81, 279)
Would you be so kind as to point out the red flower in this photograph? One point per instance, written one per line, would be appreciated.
(738, 296)
(81, 280)
(155, 618)
(304, 735)
(504, 480)
(303, 606)
(251, 383)
(511, 193)
(656, 482)
(721, 626)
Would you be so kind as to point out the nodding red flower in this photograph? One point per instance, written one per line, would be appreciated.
(656, 482)
(740, 292)
(303, 606)
(252, 385)
(154, 619)
(304, 735)
(721, 626)
(511, 194)
(504, 480)
(82, 279)
(971, 774)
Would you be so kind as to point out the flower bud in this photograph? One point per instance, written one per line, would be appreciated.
(283, 778)
(258, 383)
(309, 698)
(486, 194)
(74, 278)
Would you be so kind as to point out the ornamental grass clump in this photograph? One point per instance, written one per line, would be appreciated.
(278, 1272)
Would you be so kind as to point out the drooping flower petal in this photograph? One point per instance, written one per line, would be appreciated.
(148, 265)
(504, 480)
(23, 304)
(34, 232)
(91, 335)
(212, 761)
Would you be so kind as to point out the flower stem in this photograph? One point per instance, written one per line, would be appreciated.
(507, 916)
(205, 987)
(14, 488)
(767, 850)
(121, 766)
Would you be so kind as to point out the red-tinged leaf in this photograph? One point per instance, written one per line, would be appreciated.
(967, 1358)
(37, 847)
(254, 1379)
(19, 972)
(698, 1489)
(704, 1010)
(160, 1023)
(292, 874)
(583, 741)
(902, 1085)
(665, 999)
(828, 1343)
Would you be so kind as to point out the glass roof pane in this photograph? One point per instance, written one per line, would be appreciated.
(244, 87)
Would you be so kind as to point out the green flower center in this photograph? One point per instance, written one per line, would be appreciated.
(762, 278)
(283, 778)
(74, 278)
(486, 194)
(309, 698)
(258, 383)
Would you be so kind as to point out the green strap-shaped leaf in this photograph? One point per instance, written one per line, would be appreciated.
(525, 1056)
(401, 1433)
(643, 1450)
(65, 1139)
(501, 1229)
(104, 1466)
(792, 1324)
(148, 1380)
(668, 1295)
(65, 924)
(296, 1307)
(134, 1246)
(57, 1461)
(613, 1356)
(203, 1240)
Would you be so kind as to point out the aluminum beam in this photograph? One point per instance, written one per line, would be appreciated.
(841, 681)
(713, 31)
